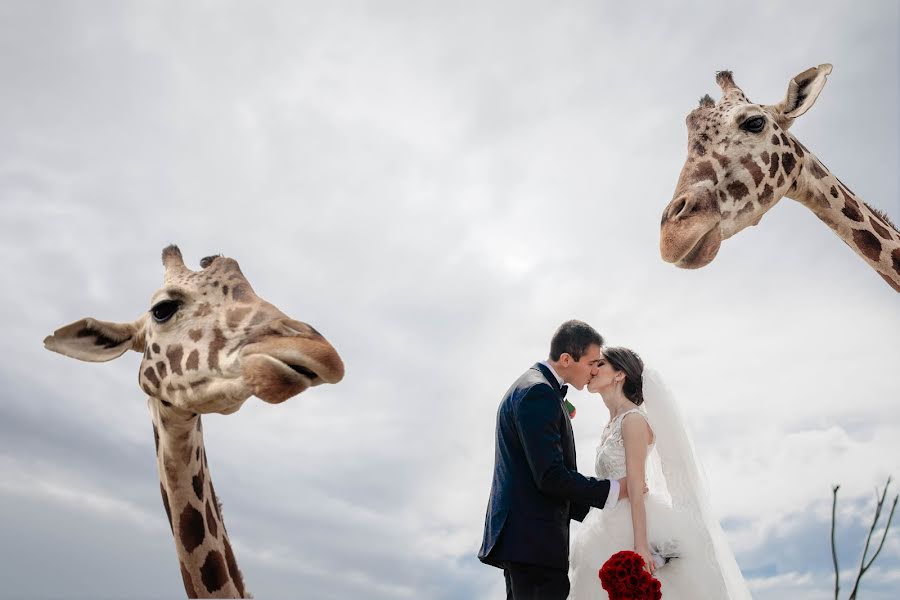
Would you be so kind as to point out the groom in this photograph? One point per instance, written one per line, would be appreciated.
(536, 488)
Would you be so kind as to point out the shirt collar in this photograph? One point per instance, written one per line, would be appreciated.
(559, 380)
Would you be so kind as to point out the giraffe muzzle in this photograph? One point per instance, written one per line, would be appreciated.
(690, 235)
(288, 361)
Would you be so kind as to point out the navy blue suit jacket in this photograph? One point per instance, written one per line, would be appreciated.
(537, 488)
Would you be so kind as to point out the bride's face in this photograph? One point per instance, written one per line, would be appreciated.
(605, 377)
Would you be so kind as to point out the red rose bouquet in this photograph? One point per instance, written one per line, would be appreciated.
(624, 578)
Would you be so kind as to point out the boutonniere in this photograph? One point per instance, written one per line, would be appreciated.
(570, 408)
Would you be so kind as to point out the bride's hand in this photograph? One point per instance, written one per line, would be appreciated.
(645, 553)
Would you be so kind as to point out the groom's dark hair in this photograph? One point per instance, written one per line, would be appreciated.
(573, 338)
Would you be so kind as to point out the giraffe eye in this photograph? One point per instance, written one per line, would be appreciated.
(163, 311)
(754, 124)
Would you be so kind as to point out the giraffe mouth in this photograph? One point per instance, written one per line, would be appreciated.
(703, 251)
(308, 373)
(275, 378)
(293, 364)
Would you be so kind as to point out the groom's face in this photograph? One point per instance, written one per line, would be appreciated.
(580, 372)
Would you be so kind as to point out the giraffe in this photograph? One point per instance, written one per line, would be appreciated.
(208, 343)
(742, 160)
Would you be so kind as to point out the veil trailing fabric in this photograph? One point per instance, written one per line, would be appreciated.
(674, 472)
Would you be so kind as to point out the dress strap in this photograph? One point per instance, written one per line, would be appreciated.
(633, 410)
(644, 415)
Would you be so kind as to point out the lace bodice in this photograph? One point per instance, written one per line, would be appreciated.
(610, 460)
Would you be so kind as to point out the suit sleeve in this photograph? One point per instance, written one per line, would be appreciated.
(538, 421)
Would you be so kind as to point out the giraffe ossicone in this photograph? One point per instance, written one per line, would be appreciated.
(208, 344)
(742, 160)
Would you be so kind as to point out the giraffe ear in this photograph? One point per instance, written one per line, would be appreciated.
(801, 94)
(96, 341)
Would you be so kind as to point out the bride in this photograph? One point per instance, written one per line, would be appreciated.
(671, 527)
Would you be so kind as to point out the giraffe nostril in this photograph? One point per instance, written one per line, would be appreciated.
(677, 208)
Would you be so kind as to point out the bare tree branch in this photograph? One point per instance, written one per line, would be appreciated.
(837, 577)
(863, 566)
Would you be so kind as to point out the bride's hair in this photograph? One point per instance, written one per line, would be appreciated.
(623, 359)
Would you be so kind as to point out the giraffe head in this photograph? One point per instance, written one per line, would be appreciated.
(208, 341)
(741, 160)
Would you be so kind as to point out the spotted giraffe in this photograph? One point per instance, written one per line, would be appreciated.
(208, 343)
(742, 160)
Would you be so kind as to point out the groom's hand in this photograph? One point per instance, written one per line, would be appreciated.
(623, 488)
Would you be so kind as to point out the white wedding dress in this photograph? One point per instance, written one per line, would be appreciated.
(679, 518)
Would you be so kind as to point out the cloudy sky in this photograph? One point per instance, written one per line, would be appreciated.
(435, 187)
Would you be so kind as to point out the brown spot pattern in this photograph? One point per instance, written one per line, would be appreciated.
(234, 316)
(233, 570)
(867, 243)
(161, 369)
(765, 157)
(150, 375)
(780, 181)
(197, 484)
(765, 196)
(773, 166)
(820, 200)
(817, 169)
(188, 584)
(203, 309)
(241, 293)
(722, 160)
(215, 499)
(258, 318)
(882, 218)
(195, 334)
(211, 520)
(895, 257)
(788, 161)
(165, 499)
(214, 572)
(175, 353)
(705, 171)
(155, 348)
(193, 361)
(775, 140)
(879, 229)
(748, 163)
(851, 211)
(191, 530)
(834, 193)
(737, 190)
(215, 346)
(224, 290)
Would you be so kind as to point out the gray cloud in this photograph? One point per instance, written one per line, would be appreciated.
(434, 189)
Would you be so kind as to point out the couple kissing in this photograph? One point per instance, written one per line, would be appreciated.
(649, 495)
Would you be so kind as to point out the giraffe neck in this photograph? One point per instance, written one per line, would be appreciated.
(864, 230)
(208, 566)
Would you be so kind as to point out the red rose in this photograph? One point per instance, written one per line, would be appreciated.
(624, 578)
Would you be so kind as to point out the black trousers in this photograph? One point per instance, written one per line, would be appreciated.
(531, 582)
